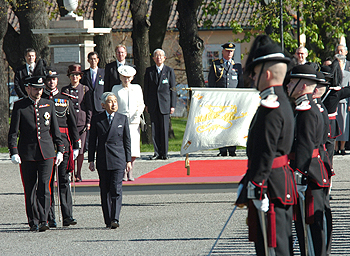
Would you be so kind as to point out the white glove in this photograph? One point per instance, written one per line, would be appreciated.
(75, 153)
(262, 205)
(16, 159)
(59, 158)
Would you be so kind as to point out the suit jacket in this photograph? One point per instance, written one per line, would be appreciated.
(222, 76)
(38, 128)
(160, 90)
(112, 76)
(111, 141)
(347, 65)
(22, 73)
(130, 101)
(97, 89)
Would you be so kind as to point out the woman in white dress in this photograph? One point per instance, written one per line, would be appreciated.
(130, 103)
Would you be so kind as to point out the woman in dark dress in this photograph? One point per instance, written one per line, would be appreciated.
(79, 94)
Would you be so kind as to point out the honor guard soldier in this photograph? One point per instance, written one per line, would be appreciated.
(310, 173)
(71, 139)
(34, 122)
(268, 186)
(225, 73)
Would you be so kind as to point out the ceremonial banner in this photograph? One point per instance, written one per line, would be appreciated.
(219, 117)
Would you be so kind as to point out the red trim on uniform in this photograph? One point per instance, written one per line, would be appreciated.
(315, 153)
(50, 188)
(280, 161)
(332, 117)
(271, 226)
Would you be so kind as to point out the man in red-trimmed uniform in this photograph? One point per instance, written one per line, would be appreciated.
(71, 139)
(34, 121)
(268, 186)
(310, 172)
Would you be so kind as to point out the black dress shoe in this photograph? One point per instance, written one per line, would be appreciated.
(342, 152)
(43, 226)
(222, 154)
(52, 223)
(336, 152)
(154, 157)
(108, 226)
(34, 227)
(69, 221)
(165, 157)
(114, 224)
(233, 154)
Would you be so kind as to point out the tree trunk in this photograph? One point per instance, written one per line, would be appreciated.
(4, 96)
(159, 24)
(190, 42)
(31, 15)
(104, 43)
(140, 48)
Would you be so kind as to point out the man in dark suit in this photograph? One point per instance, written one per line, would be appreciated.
(225, 73)
(111, 69)
(110, 137)
(31, 68)
(160, 99)
(343, 50)
(34, 120)
(93, 77)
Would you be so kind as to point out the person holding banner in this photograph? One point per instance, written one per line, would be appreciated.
(310, 173)
(268, 185)
(225, 73)
(72, 143)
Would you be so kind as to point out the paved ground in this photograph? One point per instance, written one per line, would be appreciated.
(164, 224)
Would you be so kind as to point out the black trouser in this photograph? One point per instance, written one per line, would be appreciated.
(36, 182)
(160, 132)
(64, 190)
(317, 227)
(231, 150)
(111, 193)
(284, 238)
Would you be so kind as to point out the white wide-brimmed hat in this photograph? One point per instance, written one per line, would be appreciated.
(126, 70)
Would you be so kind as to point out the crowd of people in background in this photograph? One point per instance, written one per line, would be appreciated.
(303, 120)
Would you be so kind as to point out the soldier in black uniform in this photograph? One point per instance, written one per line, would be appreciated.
(268, 184)
(35, 120)
(225, 73)
(71, 139)
(310, 172)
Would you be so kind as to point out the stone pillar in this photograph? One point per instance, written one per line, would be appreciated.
(71, 39)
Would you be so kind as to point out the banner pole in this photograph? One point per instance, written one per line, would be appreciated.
(187, 165)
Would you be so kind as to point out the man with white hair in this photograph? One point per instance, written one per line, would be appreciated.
(301, 54)
(160, 100)
(110, 138)
(343, 50)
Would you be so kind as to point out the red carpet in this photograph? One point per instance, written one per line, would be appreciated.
(202, 172)
(200, 168)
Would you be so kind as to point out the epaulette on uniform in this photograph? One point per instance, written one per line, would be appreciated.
(269, 98)
(303, 106)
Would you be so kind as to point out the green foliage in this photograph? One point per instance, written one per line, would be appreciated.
(323, 23)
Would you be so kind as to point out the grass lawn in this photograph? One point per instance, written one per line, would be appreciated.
(179, 126)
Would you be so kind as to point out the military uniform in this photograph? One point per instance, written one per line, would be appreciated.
(226, 74)
(39, 134)
(81, 99)
(70, 136)
(269, 142)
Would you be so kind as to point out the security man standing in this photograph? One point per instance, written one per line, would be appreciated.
(225, 73)
(34, 121)
(310, 173)
(268, 186)
(72, 143)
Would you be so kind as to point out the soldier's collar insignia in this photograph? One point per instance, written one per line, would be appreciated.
(269, 98)
(302, 103)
